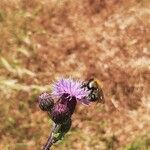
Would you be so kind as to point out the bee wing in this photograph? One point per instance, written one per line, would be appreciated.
(102, 98)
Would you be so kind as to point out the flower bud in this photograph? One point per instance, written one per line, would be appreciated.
(45, 101)
(60, 113)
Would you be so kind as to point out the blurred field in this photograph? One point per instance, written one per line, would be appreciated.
(41, 40)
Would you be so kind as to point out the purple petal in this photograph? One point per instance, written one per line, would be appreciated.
(71, 87)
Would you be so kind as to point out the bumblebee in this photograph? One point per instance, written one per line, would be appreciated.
(96, 93)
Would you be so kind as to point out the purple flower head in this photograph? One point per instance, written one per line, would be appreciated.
(72, 88)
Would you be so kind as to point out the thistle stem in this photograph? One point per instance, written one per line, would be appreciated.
(50, 139)
(48, 143)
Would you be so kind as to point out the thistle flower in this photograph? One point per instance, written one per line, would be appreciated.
(67, 92)
(60, 113)
(45, 101)
(69, 89)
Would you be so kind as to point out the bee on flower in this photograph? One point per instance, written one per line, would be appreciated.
(61, 103)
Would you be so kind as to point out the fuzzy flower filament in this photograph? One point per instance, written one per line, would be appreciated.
(71, 88)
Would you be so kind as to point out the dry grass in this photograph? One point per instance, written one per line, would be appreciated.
(108, 39)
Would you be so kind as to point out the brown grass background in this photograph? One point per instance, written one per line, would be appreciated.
(41, 40)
